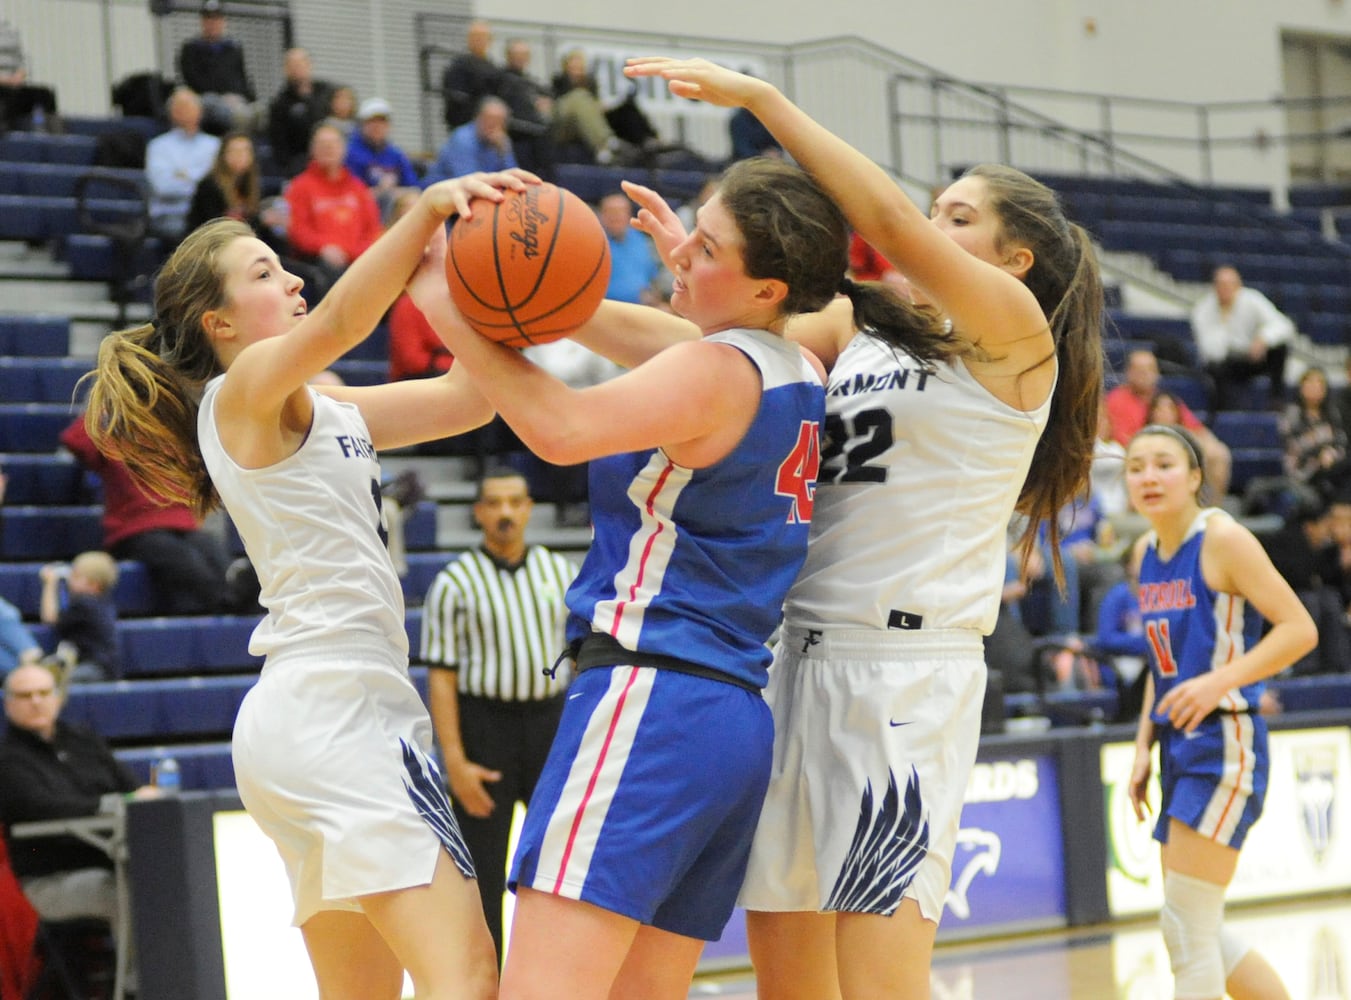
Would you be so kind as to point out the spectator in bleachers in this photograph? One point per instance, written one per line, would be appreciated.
(1339, 531)
(1305, 554)
(634, 265)
(22, 104)
(373, 158)
(342, 112)
(212, 64)
(1240, 335)
(582, 132)
(1341, 399)
(1315, 438)
(470, 76)
(83, 617)
(301, 104)
(1120, 636)
(186, 564)
(532, 111)
(482, 144)
(233, 186)
(1010, 648)
(50, 769)
(175, 162)
(1107, 475)
(1128, 408)
(334, 216)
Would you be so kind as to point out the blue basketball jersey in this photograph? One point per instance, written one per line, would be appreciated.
(1192, 629)
(695, 563)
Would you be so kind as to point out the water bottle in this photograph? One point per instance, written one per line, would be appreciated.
(167, 777)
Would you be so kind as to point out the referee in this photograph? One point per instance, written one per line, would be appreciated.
(492, 626)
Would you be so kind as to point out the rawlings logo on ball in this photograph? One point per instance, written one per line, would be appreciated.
(527, 213)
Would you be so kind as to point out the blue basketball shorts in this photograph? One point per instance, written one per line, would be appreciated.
(649, 798)
(1215, 779)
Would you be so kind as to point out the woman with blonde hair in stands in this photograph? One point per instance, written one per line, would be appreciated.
(210, 403)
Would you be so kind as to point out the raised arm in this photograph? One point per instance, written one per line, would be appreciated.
(987, 304)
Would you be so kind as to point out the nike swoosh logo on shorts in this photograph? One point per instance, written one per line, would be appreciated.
(896, 725)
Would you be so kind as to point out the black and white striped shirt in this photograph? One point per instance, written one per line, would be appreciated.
(501, 627)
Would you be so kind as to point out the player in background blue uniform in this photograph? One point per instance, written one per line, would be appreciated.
(704, 465)
(1204, 580)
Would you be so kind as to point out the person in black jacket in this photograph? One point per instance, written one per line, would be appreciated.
(51, 770)
(300, 105)
(470, 77)
(212, 64)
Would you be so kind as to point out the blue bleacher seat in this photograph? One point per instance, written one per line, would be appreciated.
(1249, 463)
(591, 182)
(165, 709)
(41, 479)
(40, 380)
(33, 427)
(355, 372)
(203, 766)
(48, 533)
(1247, 429)
(1313, 693)
(35, 336)
(1188, 388)
(20, 585)
(187, 645)
(419, 527)
(373, 348)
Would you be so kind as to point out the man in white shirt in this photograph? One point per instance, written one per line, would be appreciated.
(1239, 335)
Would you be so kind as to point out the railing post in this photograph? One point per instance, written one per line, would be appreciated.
(935, 124)
(1005, 145)
(1203, 142)
(894, 119)
(1108, 137)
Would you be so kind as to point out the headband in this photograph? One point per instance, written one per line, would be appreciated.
(1172, 432)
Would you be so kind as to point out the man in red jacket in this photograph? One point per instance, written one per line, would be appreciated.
(334, 217)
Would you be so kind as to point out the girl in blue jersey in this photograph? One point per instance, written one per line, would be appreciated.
(1204, 580)
(209, 404)
(704, 462)
(878, 681)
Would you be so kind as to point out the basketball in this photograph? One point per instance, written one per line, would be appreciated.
(529, 269)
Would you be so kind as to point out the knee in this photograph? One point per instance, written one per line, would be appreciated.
(1193, 910)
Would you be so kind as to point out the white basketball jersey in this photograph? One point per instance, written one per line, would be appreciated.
(921, 467)
(313, 528)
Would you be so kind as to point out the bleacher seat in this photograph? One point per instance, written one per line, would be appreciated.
(1313, 693)
(591, 181)
(48, 533)
(357, 372)
(1188, 388)
(40, 380)
(1248, 429)
(160, 709)
(33, 427)
(1250, 463)
(202, 766)
(187, 645)
(34, 336)
(35, 480)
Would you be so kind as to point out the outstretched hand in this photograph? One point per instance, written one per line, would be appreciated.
(656, 218)
(452, 197)
(698, 79)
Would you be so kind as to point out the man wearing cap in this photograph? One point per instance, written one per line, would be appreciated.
(373, 158)
(212, 64)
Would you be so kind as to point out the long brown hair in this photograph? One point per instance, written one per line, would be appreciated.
(243, 192)
(795, 233)
(146, 387)
(1068, 287)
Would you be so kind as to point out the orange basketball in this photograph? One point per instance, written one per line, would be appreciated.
(529, 269)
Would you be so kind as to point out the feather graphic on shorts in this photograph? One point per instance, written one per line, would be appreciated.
(886, 852)
(428, 793)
